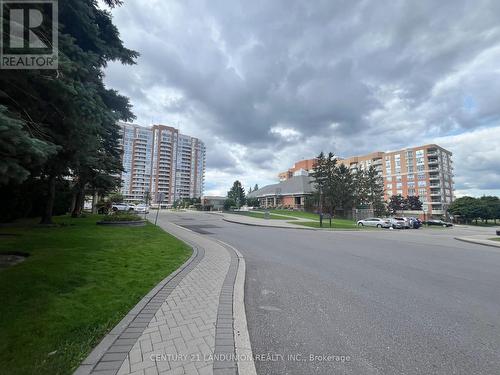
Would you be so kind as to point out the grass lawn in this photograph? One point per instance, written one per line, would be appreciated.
(336, 224)
(495, 239)
(298, 214)
(260, 215)
(480, 224)
(78, 282)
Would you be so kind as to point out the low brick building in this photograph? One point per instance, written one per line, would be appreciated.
(291, 192)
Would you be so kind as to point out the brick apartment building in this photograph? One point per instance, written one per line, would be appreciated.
(425, 171)
(159, 159)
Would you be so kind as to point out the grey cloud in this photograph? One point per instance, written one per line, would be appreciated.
(359, 75)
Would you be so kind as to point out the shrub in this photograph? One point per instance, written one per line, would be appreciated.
(122, 217)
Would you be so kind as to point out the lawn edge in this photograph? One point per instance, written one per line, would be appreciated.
(94, 357)
(267, 226)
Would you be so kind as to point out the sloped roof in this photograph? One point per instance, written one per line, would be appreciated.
(296, 185)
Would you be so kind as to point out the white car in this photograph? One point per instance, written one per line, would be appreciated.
(374, 222)
(141, 209)
(122, 207)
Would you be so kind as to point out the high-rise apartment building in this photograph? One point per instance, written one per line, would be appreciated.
(425, 171)
(161, 160)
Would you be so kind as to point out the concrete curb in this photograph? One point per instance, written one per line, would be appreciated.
(479, 242)
(244, 355)
(133, 321)
(266, 226)
(328, 230)
(240, 342)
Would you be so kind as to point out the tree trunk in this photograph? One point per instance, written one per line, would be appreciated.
(80, 198)
(73, 201)
(49, 205)
(95, 199)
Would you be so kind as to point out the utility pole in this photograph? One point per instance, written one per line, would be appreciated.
(321, 207)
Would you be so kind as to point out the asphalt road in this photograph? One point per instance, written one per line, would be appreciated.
(377, 302)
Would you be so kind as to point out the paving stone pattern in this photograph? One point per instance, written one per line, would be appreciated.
(180, 338)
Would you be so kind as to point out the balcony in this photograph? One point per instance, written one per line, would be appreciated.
(432, 153)
(434, 177)
(432, 161)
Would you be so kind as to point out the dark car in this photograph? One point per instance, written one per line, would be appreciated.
(440, 223)
(415, 223)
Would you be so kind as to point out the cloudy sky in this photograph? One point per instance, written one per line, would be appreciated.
(268, 82)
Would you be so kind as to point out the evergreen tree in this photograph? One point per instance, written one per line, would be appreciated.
(70, 108)
(237, 194)
(414, 203)
(19, 151)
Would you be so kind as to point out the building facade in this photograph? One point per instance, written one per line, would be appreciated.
(158, 160)
(289, 193)
(424, 171)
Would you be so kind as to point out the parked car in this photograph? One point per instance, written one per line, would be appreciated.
(405, 222)
(122, 207)
(440, 223)
(374, 222)
(415, 223)
(397, 223)
(141, 209)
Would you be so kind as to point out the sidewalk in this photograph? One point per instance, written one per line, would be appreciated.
(481, 239)
(248, 220)
(185, 325)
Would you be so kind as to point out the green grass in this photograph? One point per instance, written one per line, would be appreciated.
(260, 215)
(495, 239)
(336, 224)
(78, 282)
(298, 214)
(480, 224)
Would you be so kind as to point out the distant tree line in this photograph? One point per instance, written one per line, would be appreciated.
(468, 209)
(59, 138)
(337, 188)
(187, 202)
(398, 203)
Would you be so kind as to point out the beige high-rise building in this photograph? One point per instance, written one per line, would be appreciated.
(159, 159)
(424, 171)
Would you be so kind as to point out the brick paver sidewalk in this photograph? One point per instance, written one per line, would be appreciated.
(184, 326)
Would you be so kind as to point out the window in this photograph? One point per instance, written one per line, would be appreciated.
(411, 192)
(422, 183)
(398, 178)
(420, 167)
(411, 184)
(411, 177)
(421, 176)
(410, 169)
(389, 186)
(399, 185)
(422, 192)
